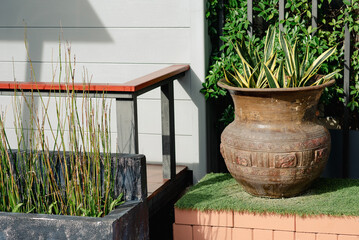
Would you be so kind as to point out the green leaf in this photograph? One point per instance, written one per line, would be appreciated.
(239, 77)
(51, 206)
(225, 76)
(246, 66)
(281, 75)
(32, 209)
(288, 58)
(312, 70)
(309, 14)
(99, 214)
(244, 52)
(295, 60)
(17, 208)
(271, 63)
(116, 202)
(272, 81)
(325, 78)
(269, 44)
(251, 81)
(303, 65)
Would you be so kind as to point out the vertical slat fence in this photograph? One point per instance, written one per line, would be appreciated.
(346, 142)
(281, 13)
(250, 16)
(314, 15)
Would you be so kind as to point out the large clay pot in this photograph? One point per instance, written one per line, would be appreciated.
(274, 147)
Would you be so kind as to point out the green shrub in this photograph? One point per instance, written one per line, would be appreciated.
(331, 21)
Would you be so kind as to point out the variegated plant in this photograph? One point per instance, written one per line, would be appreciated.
(269, 71)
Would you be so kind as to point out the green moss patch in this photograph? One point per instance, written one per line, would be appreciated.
(326, 196)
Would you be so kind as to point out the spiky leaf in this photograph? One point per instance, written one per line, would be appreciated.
(287, 53)
(272, 81)
(269, 44)
(281, 75)
(313, 69)
(325, 78)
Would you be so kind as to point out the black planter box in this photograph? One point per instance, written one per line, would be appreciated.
(127, 221)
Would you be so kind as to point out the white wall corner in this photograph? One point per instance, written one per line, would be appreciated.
(199, 66)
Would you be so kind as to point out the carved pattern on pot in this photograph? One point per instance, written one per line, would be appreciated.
(320, 154)
(265, 145)
(285, 160)
(244, 158)
(260, 159)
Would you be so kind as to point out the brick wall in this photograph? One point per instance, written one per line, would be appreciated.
(228, 225)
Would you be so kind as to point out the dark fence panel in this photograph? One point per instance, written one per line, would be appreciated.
(346, 142)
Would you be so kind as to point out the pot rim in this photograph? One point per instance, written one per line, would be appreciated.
(222, 84)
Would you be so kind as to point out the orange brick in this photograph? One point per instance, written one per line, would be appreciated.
(205, 218)
(304, 236)
(283, 235)
(264, 221)
(212, 233)
(328, 224)
(182, 232)
(242, 234)
(323, 236)
(348, 237)
(260, 234)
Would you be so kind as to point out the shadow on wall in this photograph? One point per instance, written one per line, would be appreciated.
(198, 99)
(46, 22)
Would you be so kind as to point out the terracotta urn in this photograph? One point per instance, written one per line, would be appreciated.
(275, 148)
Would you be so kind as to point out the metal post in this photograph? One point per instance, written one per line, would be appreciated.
(346, 142)
(127, 125)
(281, 13)
(250, 16)
(168, 132)
(314, 15)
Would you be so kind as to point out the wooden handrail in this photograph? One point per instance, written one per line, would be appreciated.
(126, 106)
(130, 86)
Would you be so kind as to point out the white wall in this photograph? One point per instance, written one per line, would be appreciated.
(118, 40)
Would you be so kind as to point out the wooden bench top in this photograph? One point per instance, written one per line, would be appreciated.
(130, 86)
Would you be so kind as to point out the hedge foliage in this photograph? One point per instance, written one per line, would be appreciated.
(333, 15)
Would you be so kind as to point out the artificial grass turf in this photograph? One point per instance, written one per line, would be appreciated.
(219, 191)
